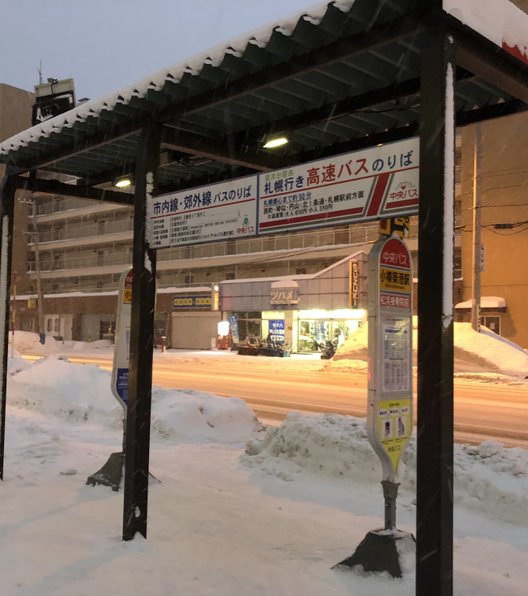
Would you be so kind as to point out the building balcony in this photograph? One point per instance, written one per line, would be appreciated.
(70, 209)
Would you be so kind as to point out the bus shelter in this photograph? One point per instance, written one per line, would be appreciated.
(342, 78)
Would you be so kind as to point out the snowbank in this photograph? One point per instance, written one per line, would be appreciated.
(489, 478)
(28, 342)
(485, 348)
(81, 392)
(78, 392)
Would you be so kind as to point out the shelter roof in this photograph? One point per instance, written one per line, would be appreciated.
(337, 77)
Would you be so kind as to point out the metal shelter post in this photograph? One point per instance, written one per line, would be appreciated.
(434, 511)
(137, 441)
(7, 204)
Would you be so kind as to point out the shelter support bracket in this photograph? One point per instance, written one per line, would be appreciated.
(137, 443)
(7, 204)
(434, 515)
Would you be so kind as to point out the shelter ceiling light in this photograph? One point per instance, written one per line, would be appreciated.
(123, 182)
(275, 142)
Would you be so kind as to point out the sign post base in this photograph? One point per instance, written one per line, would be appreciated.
(382, 550)
(111, 473)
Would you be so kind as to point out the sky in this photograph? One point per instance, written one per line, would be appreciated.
(240, 507)
(105, 45)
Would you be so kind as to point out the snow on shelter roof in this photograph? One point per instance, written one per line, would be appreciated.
(498, 20)
(304, 75)
(193, 66)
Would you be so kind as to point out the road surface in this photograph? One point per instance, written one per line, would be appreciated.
(483, 411)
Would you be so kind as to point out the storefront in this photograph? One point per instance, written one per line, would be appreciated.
(315, 327)
(302, 312)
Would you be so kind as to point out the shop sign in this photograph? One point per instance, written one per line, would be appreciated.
(389, 417)
(217, 212)
(192, 302)
(354, 284)
(284, 296)
(276, 330)
(233, 325)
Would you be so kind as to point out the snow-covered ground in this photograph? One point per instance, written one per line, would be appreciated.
(241, 509)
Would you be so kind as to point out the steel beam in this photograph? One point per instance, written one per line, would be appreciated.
(224, 150)
(434, 503)
(7, 202)
(82, 192)
(493, 64)
(137, 442)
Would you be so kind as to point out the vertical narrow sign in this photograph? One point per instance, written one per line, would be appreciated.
(122, 339)
(389, 417)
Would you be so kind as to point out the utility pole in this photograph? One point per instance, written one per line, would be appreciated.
(475, 302)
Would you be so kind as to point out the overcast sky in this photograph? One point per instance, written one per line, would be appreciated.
(105, 45)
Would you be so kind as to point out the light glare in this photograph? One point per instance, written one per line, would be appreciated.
(276, 142)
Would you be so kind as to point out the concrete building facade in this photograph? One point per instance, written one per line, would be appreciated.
(503, 183)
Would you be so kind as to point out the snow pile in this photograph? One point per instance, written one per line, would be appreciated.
(493, 479)
(327, 444)
(82, 392)
(489, 478)
(197, 417)
(16, 364)
(505, 356)
(28, 342)
(56, 387)
(484, 348)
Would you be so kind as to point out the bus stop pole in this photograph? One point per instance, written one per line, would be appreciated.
(137, 437)
(7, 208)
(434, 504)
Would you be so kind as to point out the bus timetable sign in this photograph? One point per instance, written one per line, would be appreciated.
(390, 352)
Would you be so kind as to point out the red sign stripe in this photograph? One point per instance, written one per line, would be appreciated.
(378, 194)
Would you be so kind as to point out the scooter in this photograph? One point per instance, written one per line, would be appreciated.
(329, 349)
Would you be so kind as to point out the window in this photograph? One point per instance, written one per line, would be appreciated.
(249, 324)
(492, 323)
